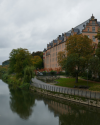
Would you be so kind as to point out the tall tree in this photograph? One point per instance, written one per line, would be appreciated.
(37, 61)
(12, 59)
(98, 34)
(19, 59)
(61, 58)
(39, 54)
(79, 49)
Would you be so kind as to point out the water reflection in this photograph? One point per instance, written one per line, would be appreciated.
(23, 107)
(74, 114)
(21, 102)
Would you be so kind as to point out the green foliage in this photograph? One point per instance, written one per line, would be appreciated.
(94, 65)
(84, 75)
(53, 72)
(79, 44)
(19, 59)
(65, 83)
(37, 61)
(44, 73)
(74, 64)
(98, 34)
(79, 50)
(12, 59)
(3, 70)
(28, 73)
(38, 54)
(98, 51)
(25, 86)
(5, 76)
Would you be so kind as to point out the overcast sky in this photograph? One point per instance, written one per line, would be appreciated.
(32, 24)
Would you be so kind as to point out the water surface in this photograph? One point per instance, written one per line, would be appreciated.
(19, 107)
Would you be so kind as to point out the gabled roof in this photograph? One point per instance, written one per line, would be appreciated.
(76, 30)
(61, 38)
(68, 34)
(55, 41)
(81, 26)
(98, 23)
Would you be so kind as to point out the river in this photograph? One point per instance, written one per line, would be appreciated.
(20, 107)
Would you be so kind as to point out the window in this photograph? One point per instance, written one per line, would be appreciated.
(93, 22)
(56, 58)
(88, 29)
(93, 38)
(93, 29)
(88, 36)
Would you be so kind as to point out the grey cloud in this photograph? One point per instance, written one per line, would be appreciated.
(34, 23)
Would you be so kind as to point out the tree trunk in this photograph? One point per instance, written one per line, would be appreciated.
(76, 77)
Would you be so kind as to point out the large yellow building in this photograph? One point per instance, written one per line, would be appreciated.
(89, 28)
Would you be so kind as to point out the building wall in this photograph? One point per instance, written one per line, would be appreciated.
(50, 60)
(89, 30)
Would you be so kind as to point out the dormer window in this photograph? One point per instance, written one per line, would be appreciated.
(93, 29)
(93, 23)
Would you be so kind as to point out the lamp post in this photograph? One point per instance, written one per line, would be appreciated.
(87, 77)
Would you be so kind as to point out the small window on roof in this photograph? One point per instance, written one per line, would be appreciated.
(93, 22)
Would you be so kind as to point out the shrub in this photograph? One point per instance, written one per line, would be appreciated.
(44, 73)
(5, 76)
(28, 73)
(53, 72)
(24, 86)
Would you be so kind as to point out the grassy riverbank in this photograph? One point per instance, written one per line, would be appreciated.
(17, 80)
(14, 81)
(70, 82)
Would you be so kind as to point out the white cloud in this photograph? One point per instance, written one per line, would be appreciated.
(32, 24)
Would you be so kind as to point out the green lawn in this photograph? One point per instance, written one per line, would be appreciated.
(70, 82)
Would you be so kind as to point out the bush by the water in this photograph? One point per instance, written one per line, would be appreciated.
(24, 86)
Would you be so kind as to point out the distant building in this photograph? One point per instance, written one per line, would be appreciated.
(89, 27)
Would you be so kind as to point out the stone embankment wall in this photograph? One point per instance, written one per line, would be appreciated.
(74, 98)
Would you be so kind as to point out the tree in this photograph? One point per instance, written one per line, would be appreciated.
(79, 49)
(13, 60)
(28, 73)
(98, 34)
(40, 54)
(94, 65)
(19, 59)
(61, 58)
(37, 61)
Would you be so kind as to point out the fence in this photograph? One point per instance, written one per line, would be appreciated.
(70, 91)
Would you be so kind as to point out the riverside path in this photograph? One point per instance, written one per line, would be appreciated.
(71, 91)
